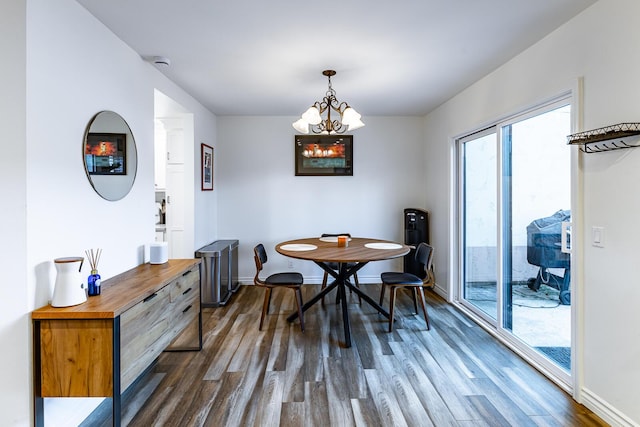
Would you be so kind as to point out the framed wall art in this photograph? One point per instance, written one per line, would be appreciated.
(207, 167)
(324, 155)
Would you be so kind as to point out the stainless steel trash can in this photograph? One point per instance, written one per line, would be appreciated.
(234, 284)
(214, 274)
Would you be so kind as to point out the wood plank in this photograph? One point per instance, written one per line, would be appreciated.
(501, 401)
(551, 398)
(316, 404)
(278, 354)
(221, 408)
(313, 368)
(136, 396)
(366, 350)
(244, 401)
(142, 394)
(365, 413)
(431, 399)
(397, 382)
(292, 414)
(76, 358)
(239, 360)
(449, 385)
(339, 401)
(490, 415)
(270, 403)
(294, 380)
(178, 383)
(446, 357)
(155, 410)
(200, 405)
(385, 400)
(221, 362)
(354, 373)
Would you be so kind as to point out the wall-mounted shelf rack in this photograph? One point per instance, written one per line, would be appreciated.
(606, 139)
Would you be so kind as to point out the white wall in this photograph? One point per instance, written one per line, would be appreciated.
(262, 201)
(14, 322)
(62, 66)
(596, 45)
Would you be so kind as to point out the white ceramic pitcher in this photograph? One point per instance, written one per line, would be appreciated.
(69, 289)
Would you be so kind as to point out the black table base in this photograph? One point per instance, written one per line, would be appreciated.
(342, 282)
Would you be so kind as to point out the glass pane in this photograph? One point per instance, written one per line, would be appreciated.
(480, 223)
(537, 199)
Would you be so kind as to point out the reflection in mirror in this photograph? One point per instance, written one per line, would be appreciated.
(110, 155)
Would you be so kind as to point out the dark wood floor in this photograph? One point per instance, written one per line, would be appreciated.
(454, 374)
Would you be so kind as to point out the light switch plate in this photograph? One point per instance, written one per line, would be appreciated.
(597, 237)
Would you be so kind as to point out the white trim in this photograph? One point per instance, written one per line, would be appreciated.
(521, 112)
(605, 410)
(455, 243)
(577, 244)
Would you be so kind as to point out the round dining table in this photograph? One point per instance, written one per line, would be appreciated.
(357, 253)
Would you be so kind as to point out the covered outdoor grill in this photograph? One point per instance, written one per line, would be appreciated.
(544, 251)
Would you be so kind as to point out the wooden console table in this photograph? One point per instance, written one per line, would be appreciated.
(100, 347)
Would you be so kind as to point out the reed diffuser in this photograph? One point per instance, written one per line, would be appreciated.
(93, 281)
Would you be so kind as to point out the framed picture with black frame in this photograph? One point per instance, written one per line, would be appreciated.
(207, 167)
(324, 155)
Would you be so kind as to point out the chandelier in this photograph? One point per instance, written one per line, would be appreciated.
(311, 119)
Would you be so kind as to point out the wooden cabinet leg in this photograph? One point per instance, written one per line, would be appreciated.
(115, 399)
(38, 401)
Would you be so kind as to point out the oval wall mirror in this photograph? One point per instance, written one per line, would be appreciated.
(110, 156)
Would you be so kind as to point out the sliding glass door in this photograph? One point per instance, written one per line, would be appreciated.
(515, 195)
(480, 221)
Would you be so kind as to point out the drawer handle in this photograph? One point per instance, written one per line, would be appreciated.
(150, 297)
(187, 291)
(186, 273)
(187, 309)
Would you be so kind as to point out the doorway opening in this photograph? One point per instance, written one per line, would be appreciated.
(173, 176)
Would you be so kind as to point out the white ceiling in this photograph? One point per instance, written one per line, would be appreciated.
(393, 58)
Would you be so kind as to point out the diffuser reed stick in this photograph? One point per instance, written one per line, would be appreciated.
(94, 258)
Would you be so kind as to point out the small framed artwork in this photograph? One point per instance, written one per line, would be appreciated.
(324, 155)
(207, 167)
(105, 153)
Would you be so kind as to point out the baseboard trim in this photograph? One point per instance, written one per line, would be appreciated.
(605, 410)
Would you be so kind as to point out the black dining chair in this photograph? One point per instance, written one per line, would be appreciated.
(336, 266)
(397, 280)
(290, 280)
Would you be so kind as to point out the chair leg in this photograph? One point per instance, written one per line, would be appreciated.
(392, 305)
(424, 306)
(382, 289)
(265, 306)
(324, 285)
(355, 279)
(414, 295)
(299, 303)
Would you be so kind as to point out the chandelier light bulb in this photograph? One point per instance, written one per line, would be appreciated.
(312, 116)
(349, 119)
(349, 116)
(301, 126)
